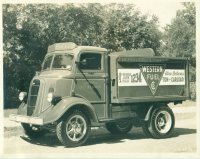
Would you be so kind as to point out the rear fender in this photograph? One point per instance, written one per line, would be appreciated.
(56, 112)
(148, 115)
(150, 110)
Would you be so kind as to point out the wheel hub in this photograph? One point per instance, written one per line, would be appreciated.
(161, 122)
(76, 128)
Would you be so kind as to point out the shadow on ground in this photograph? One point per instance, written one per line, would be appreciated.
(184, 131)
(102, 136)
(49, 140)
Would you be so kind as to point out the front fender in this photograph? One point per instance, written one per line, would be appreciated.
(22, 110)
(54, 113)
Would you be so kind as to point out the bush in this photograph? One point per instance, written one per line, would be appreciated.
(11, 98)
(193, 90)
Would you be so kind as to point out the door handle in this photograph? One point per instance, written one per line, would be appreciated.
(90, 73)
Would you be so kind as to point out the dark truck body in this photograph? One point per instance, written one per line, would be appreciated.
(95, 88)
(147, 79)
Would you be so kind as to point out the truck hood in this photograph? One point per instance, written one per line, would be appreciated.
(47, 83)
(55, 74)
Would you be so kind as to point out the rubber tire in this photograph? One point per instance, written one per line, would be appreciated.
(152, 127)
(33, 134)
(61, 130)
(114, 127)
(145, 128)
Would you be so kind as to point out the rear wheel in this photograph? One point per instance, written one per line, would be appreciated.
(74, 129)
(145, 128)
(161, 123)
(33, 131)
(120, 127)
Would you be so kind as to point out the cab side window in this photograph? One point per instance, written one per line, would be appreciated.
(90, 61)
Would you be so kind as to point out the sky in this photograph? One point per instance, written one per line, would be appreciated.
(164, 10)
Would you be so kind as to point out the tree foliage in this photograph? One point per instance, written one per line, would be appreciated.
(179, 37)
(28, 29)
(126, 28)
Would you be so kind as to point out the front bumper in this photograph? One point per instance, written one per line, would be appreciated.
(26, 119)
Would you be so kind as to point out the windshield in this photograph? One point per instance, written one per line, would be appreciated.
(47, 63)
(63, 61)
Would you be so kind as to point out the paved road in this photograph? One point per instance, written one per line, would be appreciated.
(105, 144)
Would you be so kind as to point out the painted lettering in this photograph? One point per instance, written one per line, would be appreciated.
(153, 69)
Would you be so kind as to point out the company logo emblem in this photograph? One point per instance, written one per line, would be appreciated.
(152, 75)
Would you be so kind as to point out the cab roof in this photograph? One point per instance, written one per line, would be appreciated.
(72, 47)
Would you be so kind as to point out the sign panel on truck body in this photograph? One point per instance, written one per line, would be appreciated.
(80, 87)
(149, 78)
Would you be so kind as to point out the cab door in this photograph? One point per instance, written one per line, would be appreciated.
(91, 81)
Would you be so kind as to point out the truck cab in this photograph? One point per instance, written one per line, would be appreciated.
(80, 87)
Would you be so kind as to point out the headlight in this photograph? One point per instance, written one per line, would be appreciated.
(50, 97)
(22, 96)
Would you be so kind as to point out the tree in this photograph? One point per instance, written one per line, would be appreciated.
(28, 30)
(179, 37)
(126, 28)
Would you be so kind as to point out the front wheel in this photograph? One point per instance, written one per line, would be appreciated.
(162, 123)
(73, 130)
(120, 127)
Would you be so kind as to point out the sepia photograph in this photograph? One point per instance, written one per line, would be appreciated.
(108, 79)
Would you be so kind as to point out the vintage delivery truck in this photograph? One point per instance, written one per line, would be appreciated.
(80, 87)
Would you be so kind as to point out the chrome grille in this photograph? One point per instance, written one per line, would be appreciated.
(33, 94)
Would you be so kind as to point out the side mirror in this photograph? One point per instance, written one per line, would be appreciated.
(81, 63)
